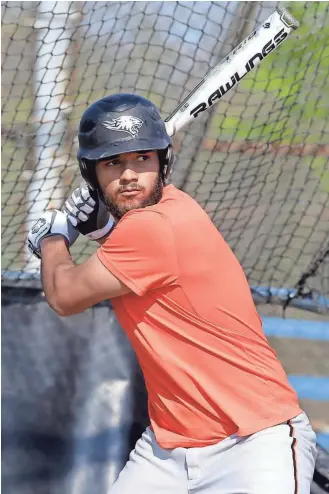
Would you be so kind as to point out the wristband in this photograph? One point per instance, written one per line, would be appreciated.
(97, 234)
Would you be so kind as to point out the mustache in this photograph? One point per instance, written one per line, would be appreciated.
(128, 188)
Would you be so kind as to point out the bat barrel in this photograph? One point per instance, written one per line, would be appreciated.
(233, 68)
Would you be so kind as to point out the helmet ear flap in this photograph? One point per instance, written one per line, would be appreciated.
(167, 162)
(88, 172)
(84, 171)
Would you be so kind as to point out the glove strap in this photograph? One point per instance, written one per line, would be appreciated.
(97, 234)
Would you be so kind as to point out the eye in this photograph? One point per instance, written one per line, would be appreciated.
(113, 162)
(143, 157)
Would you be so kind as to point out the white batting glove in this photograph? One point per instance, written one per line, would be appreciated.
(51, 223)
(88, 213)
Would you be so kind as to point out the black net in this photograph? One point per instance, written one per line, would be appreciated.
(257, 163)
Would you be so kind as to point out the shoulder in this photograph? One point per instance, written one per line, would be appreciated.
(172, 194)
(142, 218)
(142, 227)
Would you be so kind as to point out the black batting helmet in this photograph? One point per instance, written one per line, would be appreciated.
(121, 123)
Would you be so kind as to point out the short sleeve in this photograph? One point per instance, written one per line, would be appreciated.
(141, 252)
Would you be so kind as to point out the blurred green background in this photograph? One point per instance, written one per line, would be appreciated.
(257, 163)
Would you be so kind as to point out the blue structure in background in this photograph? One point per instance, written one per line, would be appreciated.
(296, 328)
(307, 387)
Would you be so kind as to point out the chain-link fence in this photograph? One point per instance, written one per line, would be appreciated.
(74, 400)
(258, 163)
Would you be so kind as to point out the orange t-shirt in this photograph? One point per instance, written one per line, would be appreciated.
(208, 367)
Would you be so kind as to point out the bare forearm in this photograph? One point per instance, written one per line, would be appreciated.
(55, 261)
(71, 289)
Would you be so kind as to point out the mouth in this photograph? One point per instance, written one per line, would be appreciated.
(131, 192)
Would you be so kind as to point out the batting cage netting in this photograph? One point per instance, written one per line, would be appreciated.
(73, 396)
(257, 162)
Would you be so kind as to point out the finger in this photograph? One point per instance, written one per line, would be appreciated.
(91, 202)
(72, 220)
(82, 216)
(71, 208)
(80, 202)
(77, 199)
(73, 211)
(86, 209)
(85, 194)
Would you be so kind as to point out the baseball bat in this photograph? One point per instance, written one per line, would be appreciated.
(229, 72)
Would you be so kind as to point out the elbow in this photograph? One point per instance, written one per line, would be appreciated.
(61, 312)
(61, 308)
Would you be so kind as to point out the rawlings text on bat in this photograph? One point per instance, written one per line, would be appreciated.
(229, 72)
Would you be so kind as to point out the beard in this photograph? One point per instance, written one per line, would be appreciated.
(118, 211)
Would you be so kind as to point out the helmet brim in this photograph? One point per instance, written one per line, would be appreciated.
(123, 146)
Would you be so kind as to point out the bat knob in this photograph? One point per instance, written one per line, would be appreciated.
(287, 18)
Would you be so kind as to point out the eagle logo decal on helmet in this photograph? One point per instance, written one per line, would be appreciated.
(128, 124)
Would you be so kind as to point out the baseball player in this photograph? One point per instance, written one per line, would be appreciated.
(223, 416)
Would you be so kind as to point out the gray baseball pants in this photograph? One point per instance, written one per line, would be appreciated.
(277, 460)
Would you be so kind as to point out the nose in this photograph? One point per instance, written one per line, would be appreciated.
(128, 174)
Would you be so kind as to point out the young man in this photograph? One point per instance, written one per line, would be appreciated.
(223, 417)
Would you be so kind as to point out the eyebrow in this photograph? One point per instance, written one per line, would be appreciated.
(115, 156)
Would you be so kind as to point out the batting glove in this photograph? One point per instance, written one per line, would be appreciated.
(88, 213)
(51, 223)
